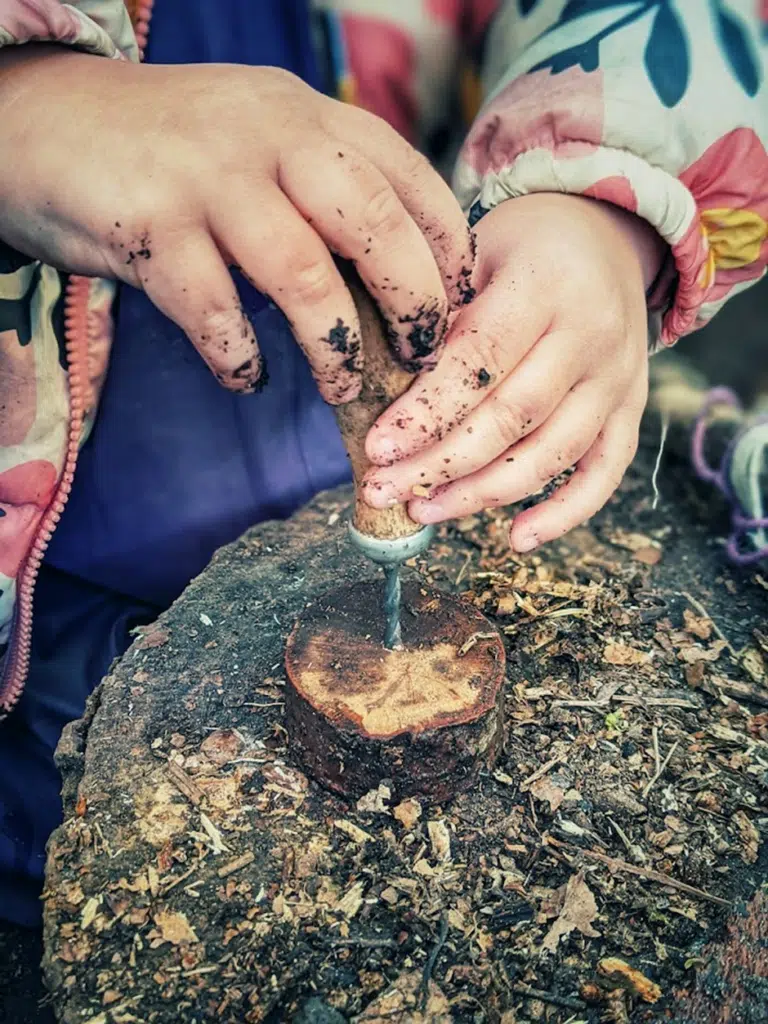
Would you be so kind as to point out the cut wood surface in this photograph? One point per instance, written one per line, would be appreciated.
(427, 718)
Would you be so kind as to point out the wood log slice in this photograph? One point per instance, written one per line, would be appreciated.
(427, 718)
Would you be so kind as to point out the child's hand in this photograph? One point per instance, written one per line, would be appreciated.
(162, 176)
(546, 369)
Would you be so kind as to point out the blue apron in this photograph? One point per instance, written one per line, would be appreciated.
(175, 467)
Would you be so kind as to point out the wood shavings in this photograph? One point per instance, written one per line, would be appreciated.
(408, 812)
(376, 801)
(440, 840)
(174, 927)
(354, 832)
(351, 901)
(217, 843)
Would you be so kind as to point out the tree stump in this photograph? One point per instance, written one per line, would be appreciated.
(201, 875)
(427, 718)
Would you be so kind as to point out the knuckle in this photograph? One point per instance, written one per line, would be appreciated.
(383, 213)
(509, 422)
(488, 348)
(312, 282)
(412, 163)
(553, 464)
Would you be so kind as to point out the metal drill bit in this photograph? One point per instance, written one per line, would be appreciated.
(393, 639)
(390, 553)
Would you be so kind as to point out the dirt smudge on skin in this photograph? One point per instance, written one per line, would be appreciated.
(346, 342)
(250, 378)
(141, 250)
(427, 330)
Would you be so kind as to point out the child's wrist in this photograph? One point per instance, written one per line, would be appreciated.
(651, 249)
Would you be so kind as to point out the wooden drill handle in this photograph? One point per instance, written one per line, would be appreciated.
(383, 382)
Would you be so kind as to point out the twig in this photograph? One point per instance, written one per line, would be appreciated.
(528, 782)
(366, 943)
(660, 770)
(653, 876)
(656, 754)
(621, 834)
(740, 691)
(234, 865)
(699, 607)
(187, 786)
(463, 569)
(181, 878)
(429, 966)
(467, 647)
(565, 1002)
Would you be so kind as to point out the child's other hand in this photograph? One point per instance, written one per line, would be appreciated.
(545, 370)
(164, 176)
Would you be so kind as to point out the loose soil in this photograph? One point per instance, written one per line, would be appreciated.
(201, 875)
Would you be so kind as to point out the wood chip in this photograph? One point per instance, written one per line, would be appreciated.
(354, 832)
(185, 785)
(234, 865)
(174, 927)
(440, 840)
(621, 975)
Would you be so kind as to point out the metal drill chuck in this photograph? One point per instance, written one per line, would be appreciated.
(395, 551)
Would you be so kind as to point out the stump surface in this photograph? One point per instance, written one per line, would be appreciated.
(201, 875)
(427, 718)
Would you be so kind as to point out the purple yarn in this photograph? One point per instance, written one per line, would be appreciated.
(720, 477)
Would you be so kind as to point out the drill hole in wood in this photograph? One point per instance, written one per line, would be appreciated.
(427, 719)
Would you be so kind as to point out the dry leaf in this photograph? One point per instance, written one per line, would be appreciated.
(578, 913)
(401, 1004)
(507, 605)
(623, 654)
(286, 780)
(699, 625)
(221, 746)
(693, 653)
(152, 638)
(749, 837)
(650, 555)
(408, 812)
(630, 541)
(545, 790)
(621, 975)
(440, 838)
(375, 801)
(174, 927)
(351, 901)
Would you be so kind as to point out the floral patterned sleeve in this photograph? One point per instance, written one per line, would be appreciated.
(97, 26)
(658, 106)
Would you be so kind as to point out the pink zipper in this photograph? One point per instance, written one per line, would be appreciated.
(77, 342)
